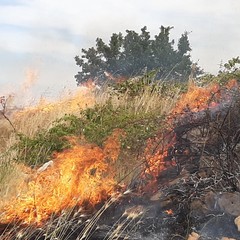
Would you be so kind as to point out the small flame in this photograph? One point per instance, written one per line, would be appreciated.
(156, 153)
(30, 80)
(169, 212)
(114, 79)
(90, 84)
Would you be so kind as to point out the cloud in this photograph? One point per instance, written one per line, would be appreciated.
(8, 3)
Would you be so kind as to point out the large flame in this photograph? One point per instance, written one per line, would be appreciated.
(82, 174)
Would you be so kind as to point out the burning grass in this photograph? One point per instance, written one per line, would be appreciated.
(121, 140)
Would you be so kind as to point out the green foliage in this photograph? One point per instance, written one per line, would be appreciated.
(134, 87)
(129, 55)
(228, 71)
(100, 121)
(231, 65)
(37, 150)
(95, 124)
(137, 86)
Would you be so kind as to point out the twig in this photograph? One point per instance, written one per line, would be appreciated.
(3, 102)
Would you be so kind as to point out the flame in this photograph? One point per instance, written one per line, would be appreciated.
(169, 212)
(118, 79)
(156, 153)
(90, 84)
(82, 174)
(30, 80)
(194, 100)
(45, 113)
(81, 99)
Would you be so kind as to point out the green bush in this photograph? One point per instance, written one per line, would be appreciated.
(100, 121)
(138, 85)
(228, 71)
(97, 123)
(37, 150)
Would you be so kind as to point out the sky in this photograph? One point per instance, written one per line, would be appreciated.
(40, 38)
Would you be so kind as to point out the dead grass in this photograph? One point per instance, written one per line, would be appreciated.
(160, 101)
(30, 120)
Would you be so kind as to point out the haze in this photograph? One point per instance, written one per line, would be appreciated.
(40, 38)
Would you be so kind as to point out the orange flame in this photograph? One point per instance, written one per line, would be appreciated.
(194, 100)
(76, 176)
(169, 212)
(156, 152)
(89, 84)
(84, 173)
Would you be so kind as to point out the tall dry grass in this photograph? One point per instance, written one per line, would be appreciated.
(30, 120)
(161, 101)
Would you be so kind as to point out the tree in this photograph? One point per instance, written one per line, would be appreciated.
(129, 55)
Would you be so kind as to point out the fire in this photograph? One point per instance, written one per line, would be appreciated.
(71, 104)
(195, 100)
(169, 212)
(200, 98)
(156, 153)
(82, 174)
(46, 112)
(30, 80)
(118, 79)
(90, 84)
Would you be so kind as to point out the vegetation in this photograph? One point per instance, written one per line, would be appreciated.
(228, 71)
(38, 149)
(134, 53)
(136, 107)
(140, 106)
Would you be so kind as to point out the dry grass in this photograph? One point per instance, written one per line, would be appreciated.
(160, 101)
(30, 120)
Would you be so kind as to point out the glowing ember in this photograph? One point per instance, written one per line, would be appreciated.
(156, 152)
(78, 175)
(169, 212)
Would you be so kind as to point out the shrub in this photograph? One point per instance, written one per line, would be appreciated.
(38, 149)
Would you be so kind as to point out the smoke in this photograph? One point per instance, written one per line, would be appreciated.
(21, 94)
(30, 80)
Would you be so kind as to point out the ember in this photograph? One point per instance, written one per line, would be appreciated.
(169, 211)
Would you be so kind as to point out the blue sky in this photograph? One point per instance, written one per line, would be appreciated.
(43, 36)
